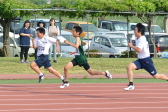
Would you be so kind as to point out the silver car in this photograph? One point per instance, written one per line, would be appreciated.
(65, 48)
(110, 46)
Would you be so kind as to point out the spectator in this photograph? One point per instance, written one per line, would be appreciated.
(53, 31)
(25, 41)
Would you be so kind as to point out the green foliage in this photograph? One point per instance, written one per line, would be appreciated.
(93, 55)
(132, 54)
(165, 50)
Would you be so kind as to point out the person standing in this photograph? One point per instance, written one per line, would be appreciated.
(53, 31)
(40, 24)
(144, 61)
(25, 35)
(42, 43)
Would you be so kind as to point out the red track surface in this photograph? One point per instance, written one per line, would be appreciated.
(147, 97)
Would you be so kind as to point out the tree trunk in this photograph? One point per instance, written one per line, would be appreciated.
(166, 24)
(6, 38)
(150, 18)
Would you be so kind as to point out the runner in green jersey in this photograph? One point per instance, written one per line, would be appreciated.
(80, 58)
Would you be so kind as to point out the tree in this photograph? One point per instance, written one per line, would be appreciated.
(144, 9)
(6, 16)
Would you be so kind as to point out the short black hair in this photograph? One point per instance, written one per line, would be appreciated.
(141, 28)
(78, 29)
(41, 30)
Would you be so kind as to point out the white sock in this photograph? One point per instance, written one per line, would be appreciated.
(40, 74)
(62, 78)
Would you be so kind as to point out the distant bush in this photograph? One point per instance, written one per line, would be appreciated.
(2, 53)
(165, 50)
(93, 55)
(132, 54)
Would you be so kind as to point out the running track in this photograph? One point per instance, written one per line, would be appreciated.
(147, 97)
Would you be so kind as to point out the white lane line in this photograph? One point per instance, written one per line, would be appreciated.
(85, 109)
(83, 103)
(113, 89)
(81, 94)
(40, 99)
(38, 93)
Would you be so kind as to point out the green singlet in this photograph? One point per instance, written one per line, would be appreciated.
(81, 58)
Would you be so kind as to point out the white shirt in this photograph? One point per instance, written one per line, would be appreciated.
(44, 44)
(142, 43)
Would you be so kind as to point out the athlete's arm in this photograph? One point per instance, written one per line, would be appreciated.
(57, 47)
(34, 46)
(74, 45)
(134, 47)
(84, 42)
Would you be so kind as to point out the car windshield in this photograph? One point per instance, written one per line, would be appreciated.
(120, 26)
(91, 27)
(70, 38)
(155, 29)
(16, 25)
(119, 42)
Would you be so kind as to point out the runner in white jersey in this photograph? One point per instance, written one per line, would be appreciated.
(43, 43)
(144, 61)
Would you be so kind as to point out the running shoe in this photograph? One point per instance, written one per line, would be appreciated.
(130, 87)
(108, 75)
(41, 78)
(65, 84)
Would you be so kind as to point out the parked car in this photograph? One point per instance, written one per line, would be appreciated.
(65, 48)
(86, 26)
(88, 37)
(14, 45)
(113, 25)
(155, 28)
(110, 46)
(160, 40)
(16, 26)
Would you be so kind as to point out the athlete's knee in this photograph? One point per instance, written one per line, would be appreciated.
(32, 64)
(65, 68)
(156, 76)
(128, 67)
(51, 70)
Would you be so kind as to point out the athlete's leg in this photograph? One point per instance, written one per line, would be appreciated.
(130, 67)
(34, 66)
(91, 72)
(53, 71)
(160, 76)
(66, 68)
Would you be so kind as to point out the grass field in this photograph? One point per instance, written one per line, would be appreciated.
(12, 65)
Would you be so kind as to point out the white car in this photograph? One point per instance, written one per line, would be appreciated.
(155, 28)
(88, 38)
(65, 48)
(110, 46)
(14, 45)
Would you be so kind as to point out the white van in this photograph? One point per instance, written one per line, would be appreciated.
(110, 46)
(14, 45)
(155, 28)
